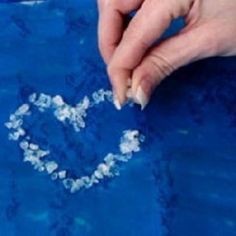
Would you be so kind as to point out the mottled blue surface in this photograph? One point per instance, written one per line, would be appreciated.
(183, 181)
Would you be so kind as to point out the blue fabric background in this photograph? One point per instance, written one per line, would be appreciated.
(183, 181)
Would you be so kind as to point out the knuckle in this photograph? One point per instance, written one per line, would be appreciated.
(142, 72)
(160, 65)
(135, 37)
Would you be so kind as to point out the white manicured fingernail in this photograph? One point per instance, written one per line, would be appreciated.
(141, 98)
(116, 103)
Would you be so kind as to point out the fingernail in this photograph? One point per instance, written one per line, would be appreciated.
(141, 98)
(116, 102)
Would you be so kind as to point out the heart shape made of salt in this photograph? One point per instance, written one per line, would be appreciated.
(129, 142)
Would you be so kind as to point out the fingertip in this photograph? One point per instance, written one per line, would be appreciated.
(140, 74)
(119, 79)
(143, 84)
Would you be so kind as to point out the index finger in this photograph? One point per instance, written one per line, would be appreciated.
(111, 24)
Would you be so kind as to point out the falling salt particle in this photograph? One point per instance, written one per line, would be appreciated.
(51, 166)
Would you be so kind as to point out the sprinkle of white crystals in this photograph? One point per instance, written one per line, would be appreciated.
(75, 116)
(43, 102)
(57, 101)
(22, 110)
(130, 142)
(51, 166)
(76, 185)
(104, 169)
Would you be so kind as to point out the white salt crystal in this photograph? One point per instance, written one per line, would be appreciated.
(51, 166)
(129, 142)
(76, 185)
(44, 101)
(41, 153)
(98, 174)
(62, 174)
(8, 125)
(33, 146)
(32, 97)
(57, 100)
(104, 169)
(24, 144)
(86, 181)
(16, 124)
(22, 110)
(12, 117)
(109, 158)
(14, 136)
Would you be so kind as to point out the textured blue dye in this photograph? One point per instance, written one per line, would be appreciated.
(183, 181)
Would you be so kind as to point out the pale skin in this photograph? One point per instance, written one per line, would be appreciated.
(135, 65)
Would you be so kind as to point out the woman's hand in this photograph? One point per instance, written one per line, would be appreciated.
(129, 53)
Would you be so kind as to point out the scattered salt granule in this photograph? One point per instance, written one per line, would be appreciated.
(130, 142)
(51, 166)
(62, 174)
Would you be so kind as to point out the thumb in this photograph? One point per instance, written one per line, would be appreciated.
(161, 61)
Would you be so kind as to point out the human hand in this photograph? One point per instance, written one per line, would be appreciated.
(129, 53)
